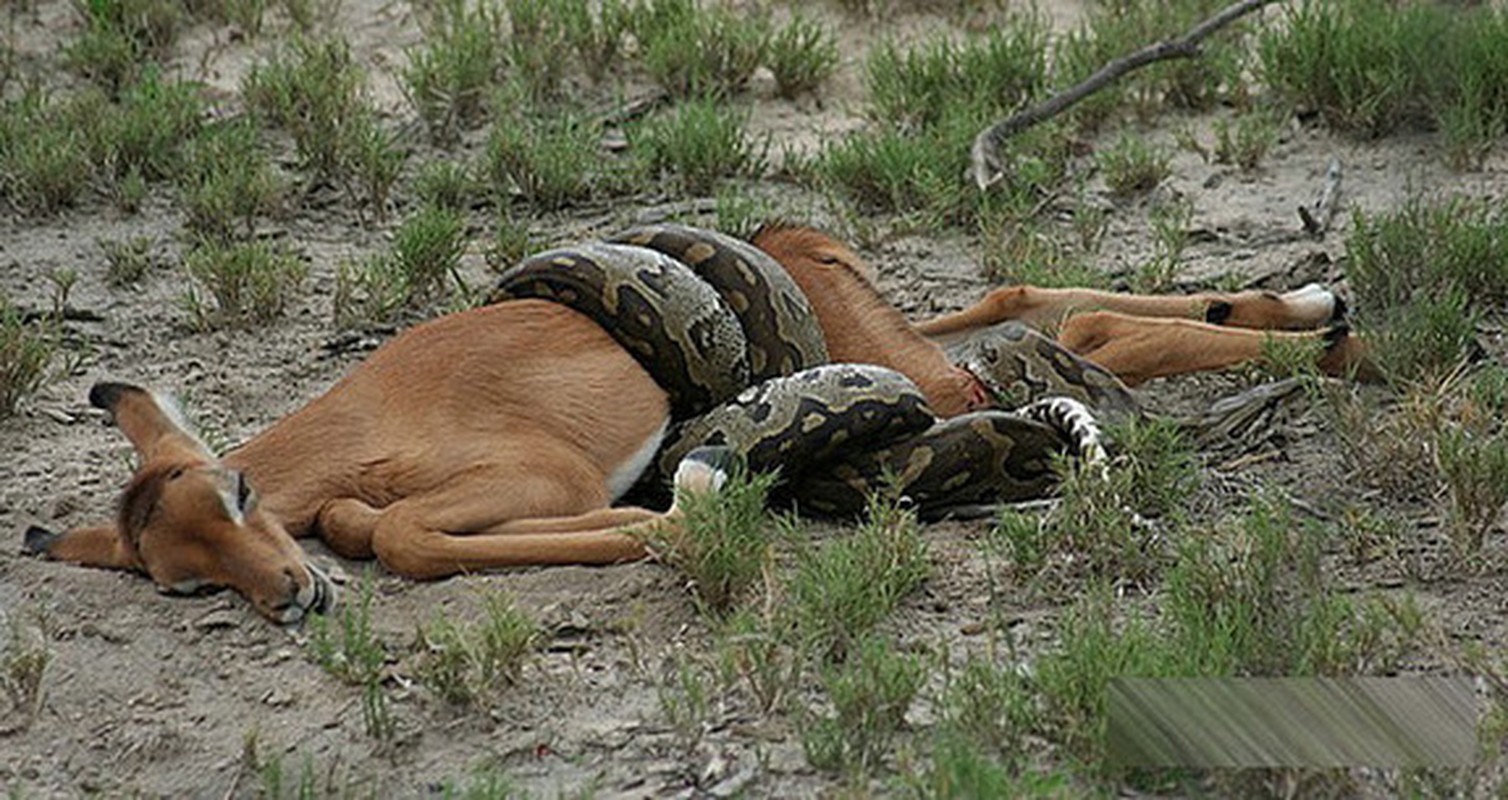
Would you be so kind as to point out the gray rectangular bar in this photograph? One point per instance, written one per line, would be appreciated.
(1416, 721)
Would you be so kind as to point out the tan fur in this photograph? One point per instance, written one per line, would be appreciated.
(860, 326)
(1138, 349)
(1046, 309)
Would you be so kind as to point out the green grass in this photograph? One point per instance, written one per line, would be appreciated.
(1019, 251)
(26, 351)
(699, 52)
(1248, 598)
(699, 142)
(841, 590)
(249, 282)
(756, 653)
(801, 56)
(446, 184)
(548, 162)
(424, 256)
(1421, 275)
(44, 157)
(511, 243)
(144, 132)
(121, 36)
(451, 74)
(870, 692)
(1474, 465)
(723, 542)
(1170, 236)
(373, 160)
(1371, 67)
(126, 260)
(227, 182)
(1245, 139)
(928, 102)
(314, 90)
(349, 649)
(925, 85)
(475, 661)
(1106, 526)
(1132, 166)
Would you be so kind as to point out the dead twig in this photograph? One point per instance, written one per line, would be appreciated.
(1317, 218)
(985, 155)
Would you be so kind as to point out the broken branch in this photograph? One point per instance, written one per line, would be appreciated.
(985, 155)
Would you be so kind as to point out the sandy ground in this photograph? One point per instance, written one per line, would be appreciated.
(159, 697)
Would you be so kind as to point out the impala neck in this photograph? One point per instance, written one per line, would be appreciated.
(867, 329)
(299, 463)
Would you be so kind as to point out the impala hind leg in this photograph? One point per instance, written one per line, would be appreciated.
(1138, 349)
(503, 517)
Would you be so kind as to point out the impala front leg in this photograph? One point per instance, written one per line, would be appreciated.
(1138, 349)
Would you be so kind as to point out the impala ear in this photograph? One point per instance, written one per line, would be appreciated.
(92, 547)
(153, 423)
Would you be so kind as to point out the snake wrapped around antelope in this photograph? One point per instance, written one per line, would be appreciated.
(726, 332)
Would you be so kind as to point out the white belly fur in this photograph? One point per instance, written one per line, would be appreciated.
(627, 473)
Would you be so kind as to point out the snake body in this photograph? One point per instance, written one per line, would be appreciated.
(778, 323)
(980, 458)
(672, 322)
(730, 337)
(1025, 366)
(800, 420)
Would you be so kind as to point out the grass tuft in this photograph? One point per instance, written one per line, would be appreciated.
(700, 142)
(349, 649)
(723, 541)
(870, 692)
(840, 591)
(1133, 167)
(1371, 67)
(802, 55)
(314, 90)
(699, 52)
(475, 661)
(250, 282)
(227, 182)
(25, 354)
(549, 162)
(449, 75)
(126, 260)
(1421, 276)
(425, 254)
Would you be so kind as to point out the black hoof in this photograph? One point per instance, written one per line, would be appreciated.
(1340, 311)
(106, 395)
(38, 541)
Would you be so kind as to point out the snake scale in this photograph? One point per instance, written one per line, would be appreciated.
(726, 332)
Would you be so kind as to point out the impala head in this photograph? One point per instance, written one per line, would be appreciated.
(188, 521)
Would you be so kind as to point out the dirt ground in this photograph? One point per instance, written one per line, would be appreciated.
(155, 696)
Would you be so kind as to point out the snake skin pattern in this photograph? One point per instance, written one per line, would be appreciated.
(672, 322)
(977, 459)
(798, 421)
(778, 323)
(1022, 366)
(725, 330)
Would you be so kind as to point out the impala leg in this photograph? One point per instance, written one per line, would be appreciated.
(346, 525)
(996, 306)
(1138, 349)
